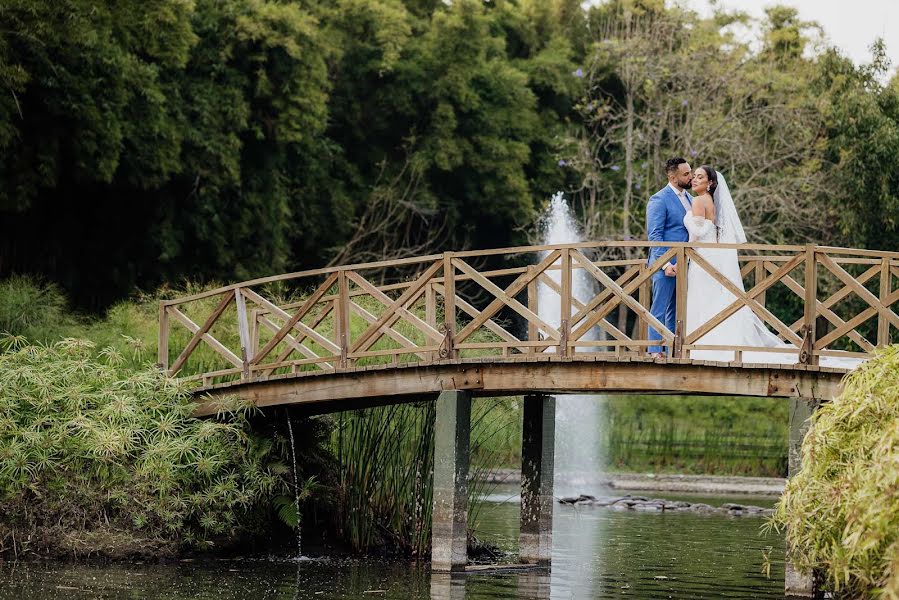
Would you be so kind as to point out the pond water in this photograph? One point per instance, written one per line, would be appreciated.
(597, 553)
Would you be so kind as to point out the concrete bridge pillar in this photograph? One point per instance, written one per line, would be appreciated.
(537, 460)
(449, 520)
(797, 584)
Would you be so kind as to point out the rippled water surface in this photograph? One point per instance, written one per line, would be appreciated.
(597, 553)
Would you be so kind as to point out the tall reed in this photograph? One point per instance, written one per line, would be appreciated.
(385, 466)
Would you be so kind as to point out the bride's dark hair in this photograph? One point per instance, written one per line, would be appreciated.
(713, 178)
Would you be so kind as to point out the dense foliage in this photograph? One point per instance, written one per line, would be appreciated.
(842, 510)
(94, 460)
(146, 142)
(142, 142)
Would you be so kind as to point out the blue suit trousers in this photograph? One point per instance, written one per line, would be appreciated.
(663, 306)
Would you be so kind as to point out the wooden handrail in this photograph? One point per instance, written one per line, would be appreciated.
(429, 317)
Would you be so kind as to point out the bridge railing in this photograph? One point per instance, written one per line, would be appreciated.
(575, 300)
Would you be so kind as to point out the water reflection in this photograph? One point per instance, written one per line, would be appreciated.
(445, 586)
(597, 553)
(534, 585)
(578, 552)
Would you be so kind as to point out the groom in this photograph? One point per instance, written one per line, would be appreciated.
(665, 223)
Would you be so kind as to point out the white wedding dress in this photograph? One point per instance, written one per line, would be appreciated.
(706, 297)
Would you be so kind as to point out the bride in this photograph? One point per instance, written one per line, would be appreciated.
(714, 219)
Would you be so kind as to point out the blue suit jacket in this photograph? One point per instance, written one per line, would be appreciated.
(665, 221)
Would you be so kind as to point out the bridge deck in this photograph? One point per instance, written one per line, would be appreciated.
(496, 376)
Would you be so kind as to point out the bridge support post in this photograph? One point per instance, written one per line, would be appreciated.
(537, 461)
(796, 583)
(449, 519)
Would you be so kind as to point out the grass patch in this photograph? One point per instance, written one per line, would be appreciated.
(667, 434)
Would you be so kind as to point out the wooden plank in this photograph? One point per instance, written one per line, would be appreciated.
(503, 298)
(886, 287)
(719, 347)
(343, 319)
(367, 338)
(565, 302)
(254, 330)
(748, 268)
(430, 305)
(823, 310)
(845, 354)
(836, 297)
(643, 276)
(312, 273)
(498, 345)
(857, 252)
(301, 312)
(204, 377)
(506, 297)
(620, 294)
(544, 279)
(330, 306)
(213, 343)
(859, 289)
(489, 324)
(401, 310)
(390, 332)
(162, 352)
(395, 352)
(303, 329)
(243, 331)
(810, 307)
(760, 275)
(323, 392)
(203, 331)
(644, 298)
(533, 332)
(744, 299)
(607, 327)
(634, 244)
(605, 294)
(680, 306)
(617, 343)
(299, 363)
(293, 343)
(449, 309)
(845, 328)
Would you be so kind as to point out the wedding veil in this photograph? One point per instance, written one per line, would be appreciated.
(730, 229)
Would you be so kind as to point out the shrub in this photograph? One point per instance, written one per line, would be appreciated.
(96, 459)
(842, 509)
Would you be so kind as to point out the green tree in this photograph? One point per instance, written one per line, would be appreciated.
(862, 152)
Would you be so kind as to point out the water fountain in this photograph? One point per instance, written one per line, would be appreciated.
(579, 459)
(579, 463)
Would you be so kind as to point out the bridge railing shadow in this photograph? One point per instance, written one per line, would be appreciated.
(580, 301)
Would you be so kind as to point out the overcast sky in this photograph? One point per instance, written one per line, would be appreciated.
(849, 25)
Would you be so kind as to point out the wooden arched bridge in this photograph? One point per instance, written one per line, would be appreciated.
(332, 336)
(541, 321)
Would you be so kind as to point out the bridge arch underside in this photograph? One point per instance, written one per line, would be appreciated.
(318, 393)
